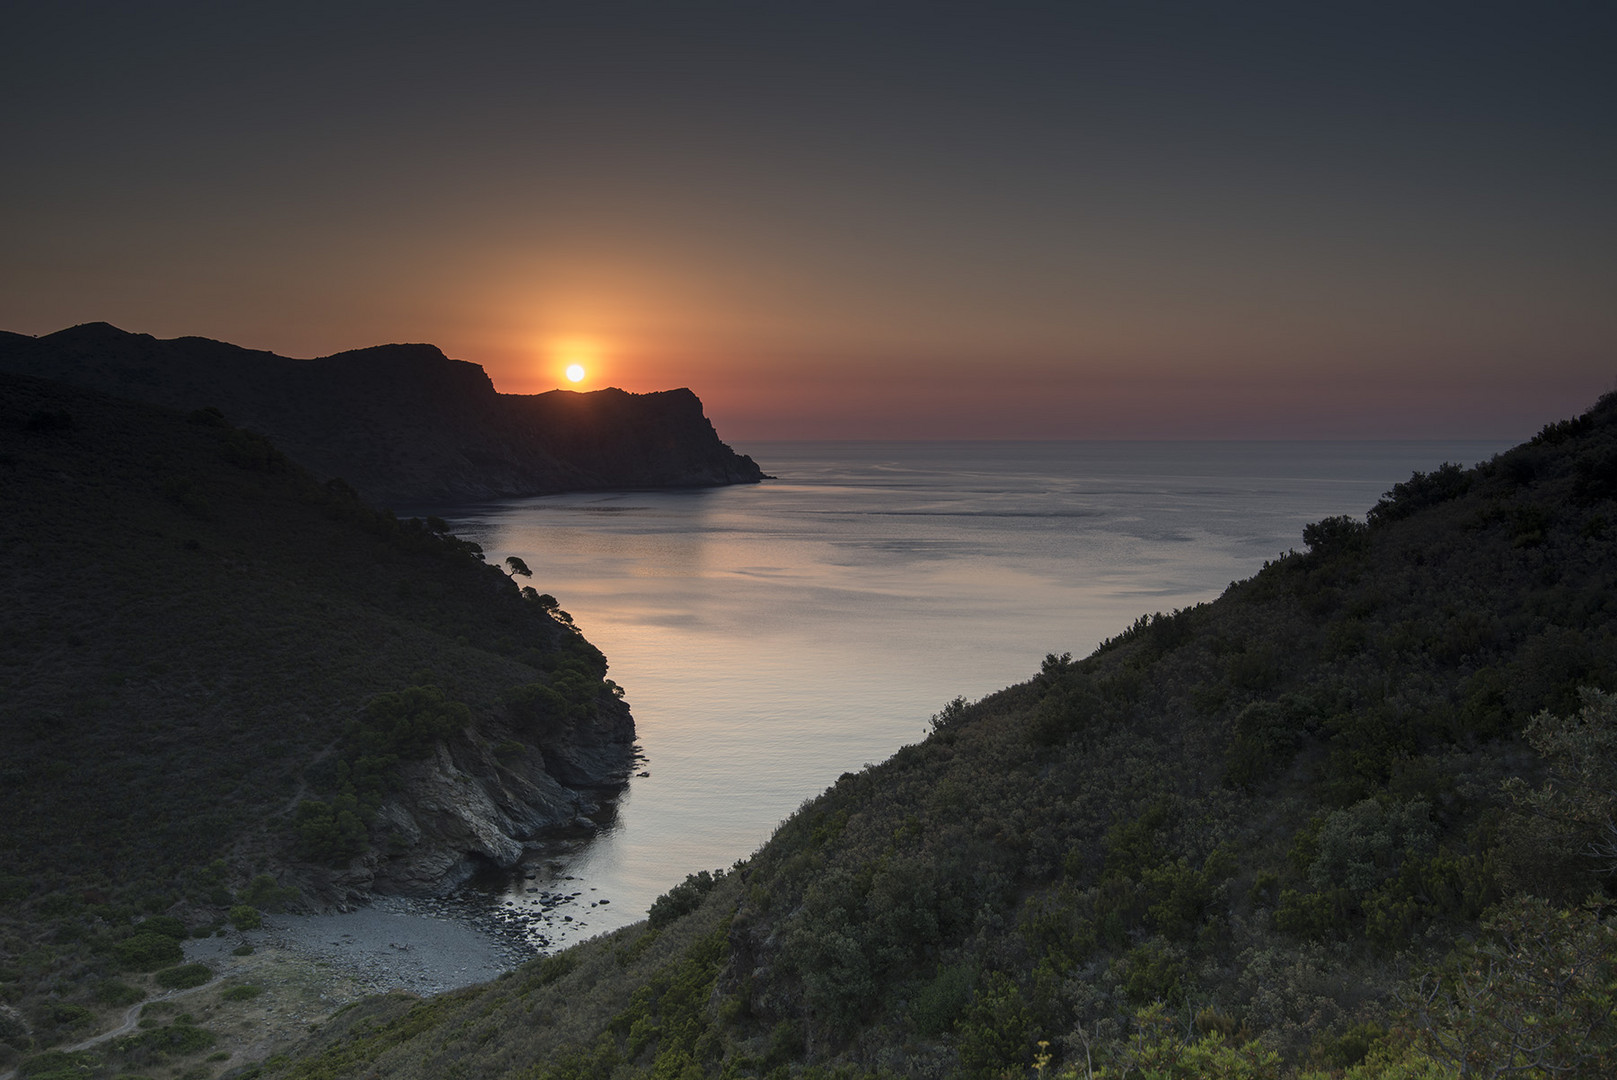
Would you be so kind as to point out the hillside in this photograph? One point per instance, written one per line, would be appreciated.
(403, 424)
(224, 682)
(1353, 818)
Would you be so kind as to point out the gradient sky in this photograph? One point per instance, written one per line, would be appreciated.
(1052, 220)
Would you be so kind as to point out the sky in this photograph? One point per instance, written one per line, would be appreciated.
(852, 220)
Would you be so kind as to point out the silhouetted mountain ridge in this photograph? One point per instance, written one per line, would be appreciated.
(403, 423)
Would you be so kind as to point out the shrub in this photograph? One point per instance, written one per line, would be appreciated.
(177, 1040)
(54, 1015)
(1341, 533)
(1154, 971)
(263, 893)
(58, 1065)
(939, 1003)
(331, 831)
(167, 925)
(50, 422)
(1533, 997)
(1447, 481)
(252, 451)
(1364, 845)
(406, 723)
(146, 951)
(1155, 1050)
(1314, 914)
(1266, 738)
(210, 416)
(245, 992)
(570, 693)
(683, 898)
(996, 1033)
(118, 992)
(184, 976)
(246, 917)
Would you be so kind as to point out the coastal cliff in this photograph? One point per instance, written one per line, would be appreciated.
(403, 424)
(217, 668)
(480, 798)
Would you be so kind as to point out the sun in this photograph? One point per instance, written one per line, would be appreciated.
(575, 372)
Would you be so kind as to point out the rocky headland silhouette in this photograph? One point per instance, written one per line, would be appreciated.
(403, 424)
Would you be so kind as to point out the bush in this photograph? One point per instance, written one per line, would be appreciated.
(167, 925)
(406, 723)
(1532, 997)
(1266, 739)
(683, 898)
(996, 1034)
(118, 992)
(1154, 971)
(1363, 845)
(184, 976)
(250, 450)
(1155, 1050)
(1341, 533)
(263, 893)
(331, 832)
(51, 1016)
(58, 1065)
(246, 917)
(146, 951)
(245, 992)
(177, 1040)
(1447, 481)
(939, 1003)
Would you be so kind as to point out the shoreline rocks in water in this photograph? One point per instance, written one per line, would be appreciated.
(392, 944)
(425, 946)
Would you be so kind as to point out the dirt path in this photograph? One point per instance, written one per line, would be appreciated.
(305, 967)
(132, 1017)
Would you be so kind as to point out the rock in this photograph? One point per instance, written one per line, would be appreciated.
(403, 424)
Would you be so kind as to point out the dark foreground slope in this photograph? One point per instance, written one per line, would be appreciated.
(403, 424)
(213, 667)
(1303, 829)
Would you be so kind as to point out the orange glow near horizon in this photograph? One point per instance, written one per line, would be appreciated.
(577, 359)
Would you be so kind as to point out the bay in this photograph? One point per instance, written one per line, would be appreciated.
(772, 636)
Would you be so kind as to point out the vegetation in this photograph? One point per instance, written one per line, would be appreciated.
(211, 667)
(1352, 820)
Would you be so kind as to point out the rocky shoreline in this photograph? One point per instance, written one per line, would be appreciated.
(424, 946)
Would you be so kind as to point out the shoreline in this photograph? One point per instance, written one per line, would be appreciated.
(425, 947)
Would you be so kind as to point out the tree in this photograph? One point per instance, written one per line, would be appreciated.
(1535, 997)
(1580, 801)
(518, 567)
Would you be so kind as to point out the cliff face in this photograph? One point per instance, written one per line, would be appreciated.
(476, 801)
(403, 423)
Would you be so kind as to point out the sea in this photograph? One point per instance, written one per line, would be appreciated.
(770, 637)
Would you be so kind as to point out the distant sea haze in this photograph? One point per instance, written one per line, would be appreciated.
(772, 637)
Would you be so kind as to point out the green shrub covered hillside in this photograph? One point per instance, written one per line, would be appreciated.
(1351, 819)
(225, 687)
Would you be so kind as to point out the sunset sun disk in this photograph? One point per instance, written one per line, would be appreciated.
(575, 372)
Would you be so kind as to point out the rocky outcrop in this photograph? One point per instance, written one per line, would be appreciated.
(403, 424)
(479, 801)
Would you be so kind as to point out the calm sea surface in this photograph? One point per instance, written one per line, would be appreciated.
(771, 637)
